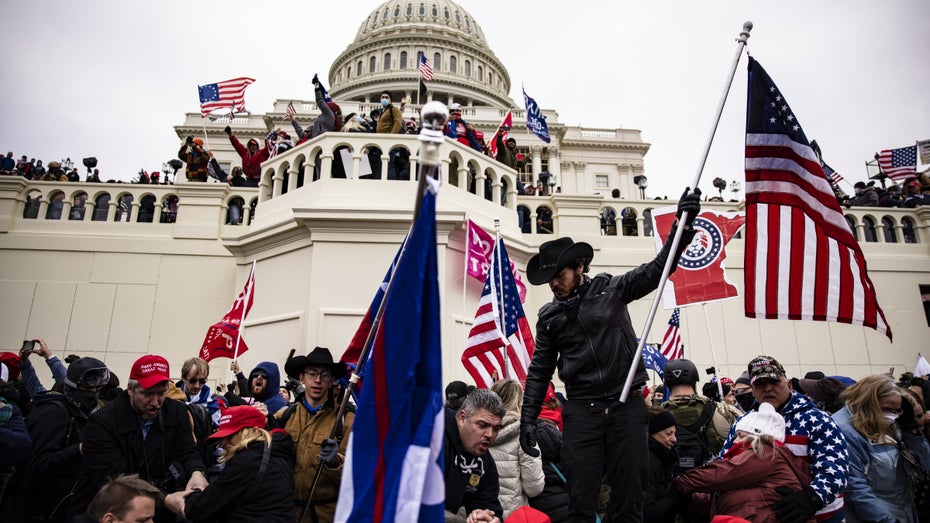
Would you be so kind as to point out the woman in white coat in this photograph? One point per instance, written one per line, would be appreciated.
(521, 475)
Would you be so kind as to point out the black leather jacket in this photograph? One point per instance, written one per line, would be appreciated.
(591, 339)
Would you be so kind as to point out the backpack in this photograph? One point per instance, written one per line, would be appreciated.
(691, 444)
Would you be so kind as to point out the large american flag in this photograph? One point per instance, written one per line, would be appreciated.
(672, 347)
(486, 344)
(426, 68)
(221, 95)
(899, 164)
(801, 260)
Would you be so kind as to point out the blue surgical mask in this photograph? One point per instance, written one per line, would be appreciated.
(385, 102)
(357, 119)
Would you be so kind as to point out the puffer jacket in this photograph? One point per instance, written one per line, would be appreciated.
(745, 483)
(553, 500)
(590, 335)
(520, 475)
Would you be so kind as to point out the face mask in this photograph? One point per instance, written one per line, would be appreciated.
(357, 119)
(86, 398)
(385, 102)
(745, 401)
(890, 417)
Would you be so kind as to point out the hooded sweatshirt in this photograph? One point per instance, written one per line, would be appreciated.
(270, 396)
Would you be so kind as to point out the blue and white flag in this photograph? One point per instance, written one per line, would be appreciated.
(655, 360)
(393, 468)
(535, 121)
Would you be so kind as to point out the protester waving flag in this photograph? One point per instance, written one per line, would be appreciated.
(323, 92)
(490, 353)
(503, 129)
(224, 339)
(229, 93)
(801, 260)
(535, 120)
(655, 360)
(290, 112)
(393, 467)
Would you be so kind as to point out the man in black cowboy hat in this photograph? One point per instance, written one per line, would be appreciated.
(310, 423)
(586, 331)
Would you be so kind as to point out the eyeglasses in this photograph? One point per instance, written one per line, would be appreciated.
(200, 381)
(313, 375)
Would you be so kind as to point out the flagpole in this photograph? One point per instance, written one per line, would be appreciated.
(713, 350)
(628, 384)
(433, 118)
(500, 294)
(247, 297)
(467, 260)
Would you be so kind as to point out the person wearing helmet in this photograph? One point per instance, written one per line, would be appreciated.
(196, 157)
(56, 425)
(703, 424)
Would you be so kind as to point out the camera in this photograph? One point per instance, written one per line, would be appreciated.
(294, 387)
(29, 345)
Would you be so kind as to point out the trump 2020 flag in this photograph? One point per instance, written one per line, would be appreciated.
(500, 344)
(701, 276)
(224, 339)
(535, 120)
(655, 360)
(801, 260)
(393, 468)
(478, 249)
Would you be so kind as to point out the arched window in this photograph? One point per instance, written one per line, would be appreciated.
(868, 229)
(523, 216)
(437, 61)
(480, 72)
(385, 17)
(647, 223)
(467, 67)
(422, 9)
(907, 226)
(891, 236)
(387, 61)
(349, 72)
(101, 206)
(55, 206)
(409, 9)
(371, 64)
(435, 11)
(123, 207)
(543, 220)
(628, 221)
(77, 206)
(608, 221)
(490, 77)
(359, 68)
(396, 11)
(452, 64)
(403, 59)
(458, 18)
(146, 209)
(445, 13)
(852, 226)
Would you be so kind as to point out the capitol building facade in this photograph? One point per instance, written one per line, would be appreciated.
(116, 271)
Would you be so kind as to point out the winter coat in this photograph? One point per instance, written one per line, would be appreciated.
(15, 442)
(241, 493)
(471, 481)
(251, 163)
(661, 503)
(391, 120)
(326, 122)
(519, 474)
(878, 490)
(688, 408)
(553, 500)
(590, 335)
(270, 396)
(470, 139)
(56, 427)
(196, 159)
(113, 445)
(308, 431)
(811, 433)
(745, 483)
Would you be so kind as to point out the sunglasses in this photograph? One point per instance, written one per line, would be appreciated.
(201, 381)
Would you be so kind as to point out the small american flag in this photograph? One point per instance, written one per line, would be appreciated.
(899, 164)
(290, 112)
(832, 175)
(801, 260)
(485, 348)
(426, 68)
(672, 348)
(221, 95)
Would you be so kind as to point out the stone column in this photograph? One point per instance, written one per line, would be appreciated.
(536, 151)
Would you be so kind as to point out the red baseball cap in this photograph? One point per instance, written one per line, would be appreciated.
(12, 364)
(238, 418)
(150, 370)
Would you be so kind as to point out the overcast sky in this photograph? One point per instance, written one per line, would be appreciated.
(111, 78)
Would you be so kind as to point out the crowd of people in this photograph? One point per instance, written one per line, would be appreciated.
(911, 193)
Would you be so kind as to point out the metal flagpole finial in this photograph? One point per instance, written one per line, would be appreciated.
(744, 35)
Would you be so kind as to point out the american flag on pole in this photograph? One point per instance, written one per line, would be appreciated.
(899, 164)
(290, 112)
(801, 260)
(426, 68)
(672, 347)
(230, 93)
(486, 345)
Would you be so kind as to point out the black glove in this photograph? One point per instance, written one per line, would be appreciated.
(227, 130)
(329, 452)
(691, 203)
(796, 506)
(189, 140)
(528, 439)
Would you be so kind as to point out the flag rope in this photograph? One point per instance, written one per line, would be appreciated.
(628, 384)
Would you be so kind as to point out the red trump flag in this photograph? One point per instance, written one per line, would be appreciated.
(224, 339)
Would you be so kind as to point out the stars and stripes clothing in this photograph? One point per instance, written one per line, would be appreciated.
(812, 433)
(426, 68)
(899, 164)
(223, 95)
(491, 354)
(801, 260)
(672, 347)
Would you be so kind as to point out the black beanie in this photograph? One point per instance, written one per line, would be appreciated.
(661, 421)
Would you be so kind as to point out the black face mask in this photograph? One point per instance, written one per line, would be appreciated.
(86, 399)
(745, 401)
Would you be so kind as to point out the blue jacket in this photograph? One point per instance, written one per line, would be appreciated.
(811, 432)
(270, 396)
(877, 489)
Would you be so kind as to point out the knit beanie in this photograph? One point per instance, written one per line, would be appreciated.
(661, 421)
(763, 422)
